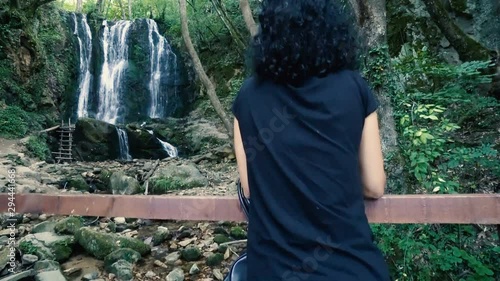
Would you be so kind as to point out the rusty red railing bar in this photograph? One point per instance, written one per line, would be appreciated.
(448, 209)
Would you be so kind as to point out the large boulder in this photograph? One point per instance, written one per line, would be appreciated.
(191, 137)
(95, 140)
(123, 184)
(144, 144)
(175, 176)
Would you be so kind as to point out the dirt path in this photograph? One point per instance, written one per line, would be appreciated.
(8, 146)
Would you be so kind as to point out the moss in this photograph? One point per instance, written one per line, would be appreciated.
(68, 225)
(191, 253)
(78, 183)
(163, 184)
(221, 238)
(238, 232)
(222, 249)
(459, 6)
(62, 249)
(160, 236)
(215, 259)
(125, 254)
(102, 244)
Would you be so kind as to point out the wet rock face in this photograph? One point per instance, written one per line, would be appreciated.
(95, 140)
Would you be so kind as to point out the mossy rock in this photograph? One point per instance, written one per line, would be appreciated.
(104, 183)
(222, 249)
(238, 232)
(191, 253)
(68, 225)
(102, 244)
(123, 184)
(126, 254)
(78, 183)
(221, 238)
(215, 259)
(160, 236)
(47, 245)
(176, 177)
(122, 269)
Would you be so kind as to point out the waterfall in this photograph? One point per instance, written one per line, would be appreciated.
(84, 37)
(115, 51)
(123, 140)
(170, 149)
(160, 54)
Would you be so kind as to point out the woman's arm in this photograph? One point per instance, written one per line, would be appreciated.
(241, 158)
(371, 159)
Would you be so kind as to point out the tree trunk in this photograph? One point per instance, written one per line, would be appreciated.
(99, 6)
(200, 71)
(372, 20)
(130, 9)
(120, 3)
(467, 48)
(78, 6)
(248, 17)
(221, 11)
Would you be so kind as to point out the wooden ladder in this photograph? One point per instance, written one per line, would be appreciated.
(65, 142)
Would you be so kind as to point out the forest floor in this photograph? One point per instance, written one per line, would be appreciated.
(35, 176)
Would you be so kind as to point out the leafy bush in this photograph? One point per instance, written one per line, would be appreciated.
(37, 147)
(434, 102)
(13, 122)
(448, 139)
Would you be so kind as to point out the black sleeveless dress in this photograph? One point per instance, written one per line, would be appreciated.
(307, 217)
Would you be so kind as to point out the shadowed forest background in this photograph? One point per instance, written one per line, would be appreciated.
(434, 65)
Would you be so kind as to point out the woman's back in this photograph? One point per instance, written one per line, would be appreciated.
(307, 217)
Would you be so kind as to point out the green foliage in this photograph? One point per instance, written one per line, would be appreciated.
(434, 101)
(14, 122)
(439, 109)
(37, 147)
(439, 252)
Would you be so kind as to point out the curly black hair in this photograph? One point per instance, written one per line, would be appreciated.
(299, 39)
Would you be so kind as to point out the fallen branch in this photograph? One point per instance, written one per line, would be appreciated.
(150, 173)
(49, 129)
(233, 242)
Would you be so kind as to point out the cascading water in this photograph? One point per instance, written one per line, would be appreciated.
(123, 140)
(160, 55)
(169, 149)
(84, 37)
(112, 92)
(115, 51)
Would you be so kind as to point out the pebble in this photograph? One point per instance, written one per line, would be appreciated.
(176, 275)
(119, 220)
(172, 257)
(217, 274)
(29, 259)
(160, 264)
(194, 269)
(43, 217)
(150, 274)
(90, 276)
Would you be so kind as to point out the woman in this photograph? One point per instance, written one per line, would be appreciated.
(308, 149)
